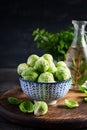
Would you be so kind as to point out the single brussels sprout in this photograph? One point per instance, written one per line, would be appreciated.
(52, 68)
(48, 57)
(40, 108)
(46, 77)
(61, 63)
(21, 67)
(32, 59)
(29, 74)
(41, 65)
(62, 74)
(26, 107)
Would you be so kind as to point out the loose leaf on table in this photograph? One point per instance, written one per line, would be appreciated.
(83, 89)
(14, 100)
(71, 103)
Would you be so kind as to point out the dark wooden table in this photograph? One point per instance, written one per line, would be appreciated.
(8, 81)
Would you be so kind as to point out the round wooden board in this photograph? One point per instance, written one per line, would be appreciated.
(57, 117)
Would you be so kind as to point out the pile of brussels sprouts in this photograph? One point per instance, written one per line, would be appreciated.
(43, 69)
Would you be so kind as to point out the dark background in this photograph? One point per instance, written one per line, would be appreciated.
(18, 19)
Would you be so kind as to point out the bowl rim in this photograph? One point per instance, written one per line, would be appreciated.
(20, 78)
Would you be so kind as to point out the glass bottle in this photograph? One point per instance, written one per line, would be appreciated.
(76, 57)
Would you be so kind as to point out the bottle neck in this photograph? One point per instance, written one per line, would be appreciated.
(79, 33)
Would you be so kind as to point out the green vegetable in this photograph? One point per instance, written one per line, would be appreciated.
(71, 103)
(85, 99)
(32, 59)
(46, 77)
(85, 92)
(52, 68)
(14, 100)
(26, 107)
(40, 108)
(62, 73)
(48, 57)
(61, 63)
(21, 67)
(83, 89)
(41, 65)
(55, 44)
(29, 74)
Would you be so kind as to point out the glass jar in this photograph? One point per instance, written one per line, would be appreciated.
(76, 57)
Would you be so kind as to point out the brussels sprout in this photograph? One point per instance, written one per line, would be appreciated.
(61, 63)
(41, 65)
(26, 107)
(32, 59)
(29, 74)
(52, 68)
(46, 77)
(21, 67)
(48, 57)
(40, 108)
(62, 74)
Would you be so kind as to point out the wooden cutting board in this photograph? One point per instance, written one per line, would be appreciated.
(57, 117)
